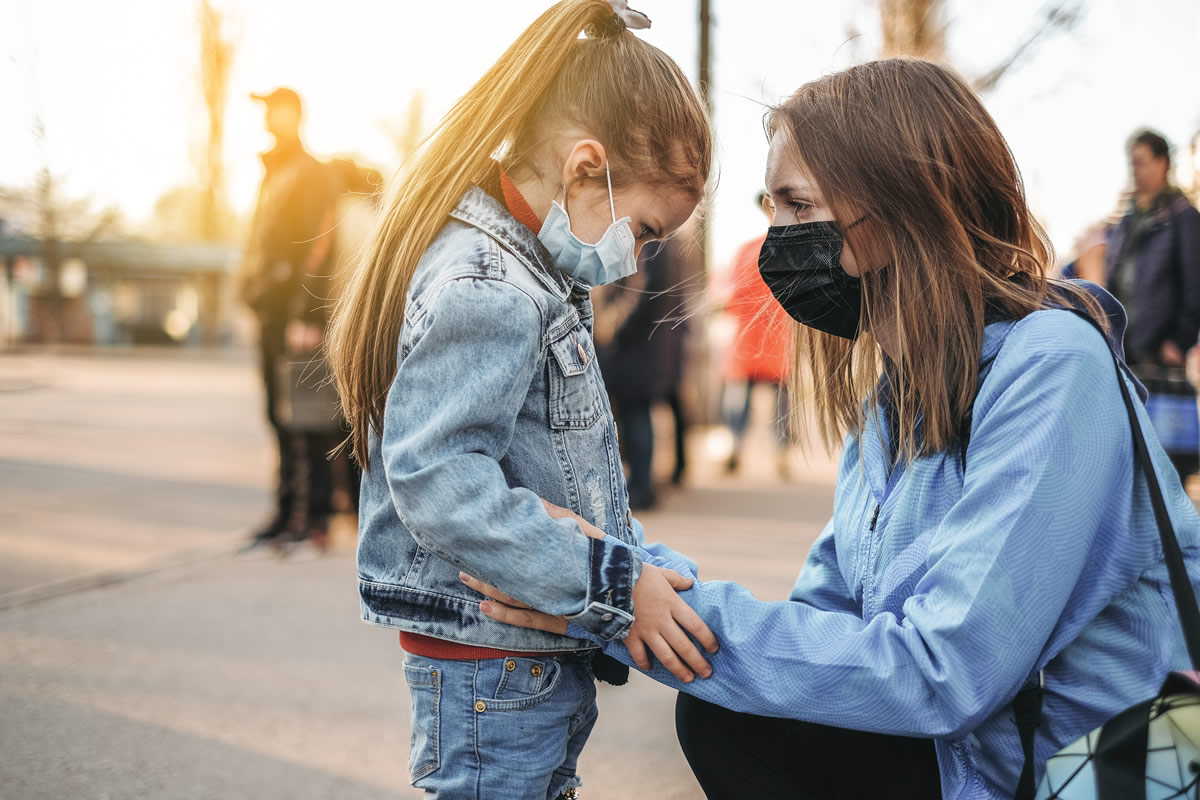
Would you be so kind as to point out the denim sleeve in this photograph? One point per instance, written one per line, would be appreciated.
(1004, 563)
(450, 417)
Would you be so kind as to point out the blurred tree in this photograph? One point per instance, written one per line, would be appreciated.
(216, 61)
(408, 134)
(45, 211)
(179, 216)
(913, 28)
(919, 27)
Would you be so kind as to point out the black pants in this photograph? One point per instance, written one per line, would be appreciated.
(304, 492)
(746, 756)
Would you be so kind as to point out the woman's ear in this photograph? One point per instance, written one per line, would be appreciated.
(587, 159)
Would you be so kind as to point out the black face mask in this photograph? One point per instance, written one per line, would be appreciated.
(801, 265)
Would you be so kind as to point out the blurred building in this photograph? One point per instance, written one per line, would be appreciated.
(115, 293)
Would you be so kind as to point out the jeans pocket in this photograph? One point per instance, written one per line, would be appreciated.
(524, 683)
(425, 689)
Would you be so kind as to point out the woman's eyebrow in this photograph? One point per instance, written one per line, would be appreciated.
(801, 191)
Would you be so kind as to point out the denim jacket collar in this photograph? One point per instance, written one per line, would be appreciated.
(480, 210)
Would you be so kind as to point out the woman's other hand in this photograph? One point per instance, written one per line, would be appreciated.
(558, 512)
(512, 611)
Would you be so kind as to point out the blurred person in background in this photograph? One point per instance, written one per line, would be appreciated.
(640, 342)
(1153, 260)
(284, 279)
(760, 351)
(1153, 268)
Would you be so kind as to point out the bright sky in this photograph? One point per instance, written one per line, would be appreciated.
(116, 85)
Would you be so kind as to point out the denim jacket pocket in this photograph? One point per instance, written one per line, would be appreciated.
(529, 682)
(425, 688)
(574, 397)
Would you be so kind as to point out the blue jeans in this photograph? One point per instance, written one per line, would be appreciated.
(735, 407)
(499, 727)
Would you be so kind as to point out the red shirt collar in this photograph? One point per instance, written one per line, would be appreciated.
(517, 206)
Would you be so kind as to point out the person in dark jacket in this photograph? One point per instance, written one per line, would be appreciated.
(640, 341)
(285, 280)
(1153, 260)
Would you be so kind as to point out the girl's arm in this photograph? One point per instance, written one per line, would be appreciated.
(450, 416)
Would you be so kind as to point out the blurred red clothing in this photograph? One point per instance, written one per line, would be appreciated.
(762, 348)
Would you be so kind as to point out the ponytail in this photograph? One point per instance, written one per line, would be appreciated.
(525, 89)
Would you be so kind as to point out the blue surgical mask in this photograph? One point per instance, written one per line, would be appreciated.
(608, 260)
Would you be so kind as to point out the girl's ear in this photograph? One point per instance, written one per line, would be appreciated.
(587, 159)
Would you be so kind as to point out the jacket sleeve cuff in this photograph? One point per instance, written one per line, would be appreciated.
(613, 570)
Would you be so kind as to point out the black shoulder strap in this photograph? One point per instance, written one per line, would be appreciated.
(1027, 705)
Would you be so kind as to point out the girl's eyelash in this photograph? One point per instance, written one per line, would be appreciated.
(647, 232)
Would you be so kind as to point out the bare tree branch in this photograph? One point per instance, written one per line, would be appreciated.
(1058, 18)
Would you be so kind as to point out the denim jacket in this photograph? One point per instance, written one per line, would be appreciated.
(497, 401)
(935, 594)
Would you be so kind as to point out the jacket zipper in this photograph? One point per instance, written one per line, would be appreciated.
(869, 560)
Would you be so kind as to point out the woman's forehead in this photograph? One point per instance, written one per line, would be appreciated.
(786, 172)
(783, 157)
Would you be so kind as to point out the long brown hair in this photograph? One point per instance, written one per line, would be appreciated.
(611, 85)
(906, 145)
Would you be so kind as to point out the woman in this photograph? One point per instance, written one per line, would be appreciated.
(987, 529)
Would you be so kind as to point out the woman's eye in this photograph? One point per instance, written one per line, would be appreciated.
(647, 233)
(800, 207)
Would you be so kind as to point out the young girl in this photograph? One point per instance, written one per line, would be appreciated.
(989, 530)
(463, 355)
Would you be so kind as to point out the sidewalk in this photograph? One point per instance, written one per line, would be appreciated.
(139, 658)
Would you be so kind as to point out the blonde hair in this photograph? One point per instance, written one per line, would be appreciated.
(611, 84)
(908, 146)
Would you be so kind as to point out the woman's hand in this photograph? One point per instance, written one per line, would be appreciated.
(558, 512)
(662, 620)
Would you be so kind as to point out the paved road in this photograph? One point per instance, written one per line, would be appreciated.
(139, 658)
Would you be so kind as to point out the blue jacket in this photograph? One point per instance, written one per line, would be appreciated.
(497, 401)
(1166, 282)
(933, 596)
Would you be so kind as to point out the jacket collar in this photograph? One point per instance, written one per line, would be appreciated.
(480, 210)
(283, 153)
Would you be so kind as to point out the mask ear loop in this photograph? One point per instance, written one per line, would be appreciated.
(612, 206)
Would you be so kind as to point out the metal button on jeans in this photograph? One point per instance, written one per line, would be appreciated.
(480, 706)
(510, 665)
(606, 617)
(536, 670)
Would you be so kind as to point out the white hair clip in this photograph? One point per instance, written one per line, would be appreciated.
(633, 19)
